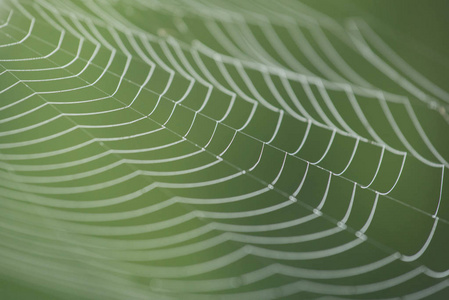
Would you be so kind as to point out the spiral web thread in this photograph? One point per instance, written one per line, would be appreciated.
(197, 149)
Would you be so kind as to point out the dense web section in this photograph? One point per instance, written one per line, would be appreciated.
(217, 149)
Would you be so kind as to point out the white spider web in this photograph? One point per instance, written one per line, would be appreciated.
(198, 149)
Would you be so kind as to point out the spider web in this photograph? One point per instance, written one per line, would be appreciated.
(209, 149)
